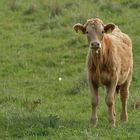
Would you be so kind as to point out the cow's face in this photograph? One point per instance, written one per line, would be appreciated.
(94, 30)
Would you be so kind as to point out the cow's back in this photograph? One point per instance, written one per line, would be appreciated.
(123, 46)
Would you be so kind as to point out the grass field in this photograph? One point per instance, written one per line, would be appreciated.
(38, 47)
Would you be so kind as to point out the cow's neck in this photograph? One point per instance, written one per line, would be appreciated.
(97, 58)
(94, 61)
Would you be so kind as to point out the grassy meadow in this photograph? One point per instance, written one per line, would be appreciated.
(43, 89)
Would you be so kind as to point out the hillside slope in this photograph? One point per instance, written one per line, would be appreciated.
(43, 90)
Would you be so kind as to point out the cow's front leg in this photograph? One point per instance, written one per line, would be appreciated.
(94, 103)
(110, 91)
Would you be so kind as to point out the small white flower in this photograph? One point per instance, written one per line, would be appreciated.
(62, 62)
(60, 78)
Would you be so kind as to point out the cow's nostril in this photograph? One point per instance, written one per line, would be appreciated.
(92, 44)
(95, 44)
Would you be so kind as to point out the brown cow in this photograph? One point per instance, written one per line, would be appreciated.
(109, 63)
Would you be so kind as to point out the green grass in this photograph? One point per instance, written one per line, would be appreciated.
(37, 47)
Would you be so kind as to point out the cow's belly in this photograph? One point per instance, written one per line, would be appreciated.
(105, 78)
(123, 76)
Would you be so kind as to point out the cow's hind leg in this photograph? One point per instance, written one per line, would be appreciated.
(124, 94)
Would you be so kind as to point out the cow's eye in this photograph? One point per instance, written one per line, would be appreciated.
(102, 32)
(86, 32)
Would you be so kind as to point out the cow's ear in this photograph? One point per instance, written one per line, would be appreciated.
(109, 27)
(79, 27)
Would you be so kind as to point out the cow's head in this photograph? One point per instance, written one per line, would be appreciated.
(94, 29)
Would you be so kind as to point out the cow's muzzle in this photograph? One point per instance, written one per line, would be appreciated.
(95, 45)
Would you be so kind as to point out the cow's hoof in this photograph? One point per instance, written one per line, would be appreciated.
(93, 122)
(124, 117)
(112, 122)
(93, 125)
(112, 125)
